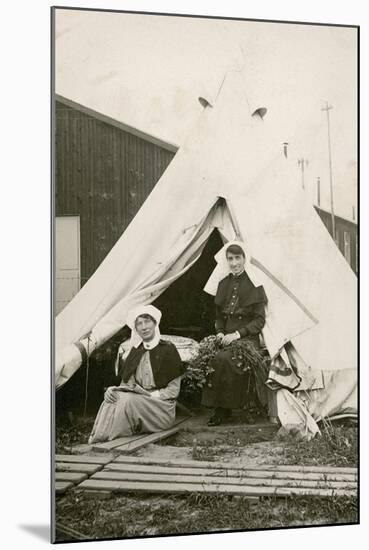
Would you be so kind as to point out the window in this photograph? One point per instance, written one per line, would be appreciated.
(337, 236)
(347, 246)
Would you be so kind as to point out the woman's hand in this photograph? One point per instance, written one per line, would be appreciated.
(110, 396)
(139, 389)
(229, 338)
(219, 337)
(155, 394)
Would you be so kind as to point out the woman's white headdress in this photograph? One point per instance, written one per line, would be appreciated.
(132, 316)
(222, 269)
(135, 339)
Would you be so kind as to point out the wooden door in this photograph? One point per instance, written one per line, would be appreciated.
(67, 260)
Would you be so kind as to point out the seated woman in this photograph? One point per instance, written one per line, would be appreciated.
(240, 314)
(145, 401)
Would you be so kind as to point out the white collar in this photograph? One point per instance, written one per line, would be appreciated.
(239, 275)
(153, 343)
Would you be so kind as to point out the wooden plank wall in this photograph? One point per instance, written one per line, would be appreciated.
(103, 175)
(341, 226)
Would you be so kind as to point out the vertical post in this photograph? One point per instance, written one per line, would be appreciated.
(327, 108)
(318, 190)
(353, 213)
(87, 375)
(285, 148)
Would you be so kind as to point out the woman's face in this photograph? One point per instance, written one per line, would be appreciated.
(236, 263)
(145, 327)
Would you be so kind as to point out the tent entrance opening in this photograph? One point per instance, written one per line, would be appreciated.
(186, 309)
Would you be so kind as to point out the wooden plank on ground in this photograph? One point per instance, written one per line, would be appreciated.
(74, 477)
(62, 486)
(224, 472)
(109, 446)
(234, 465)
(245, 490)
(132, 442)
(84, 459)
(208, 479)
(132, 446)
(82, 468)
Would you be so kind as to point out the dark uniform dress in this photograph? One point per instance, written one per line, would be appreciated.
(240, 306)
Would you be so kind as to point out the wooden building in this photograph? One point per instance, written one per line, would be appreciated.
(104, 172)
(345, 237)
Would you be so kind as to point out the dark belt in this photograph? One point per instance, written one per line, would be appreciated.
(235, 316)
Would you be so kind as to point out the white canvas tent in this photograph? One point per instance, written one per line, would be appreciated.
(228, 176)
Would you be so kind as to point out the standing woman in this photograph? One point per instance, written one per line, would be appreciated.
(240, 315)
(145, 401)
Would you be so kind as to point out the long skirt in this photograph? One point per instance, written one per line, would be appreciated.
(231, 388)
(132, 414)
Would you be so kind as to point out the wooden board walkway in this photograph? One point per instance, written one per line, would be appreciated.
(85, 459)
(72, 469)
(210, 487)
(226, 473)
(232, 465)
(104, 475)
(129, 444)
(132, 474)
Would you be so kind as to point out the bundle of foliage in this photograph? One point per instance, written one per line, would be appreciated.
(244, 356)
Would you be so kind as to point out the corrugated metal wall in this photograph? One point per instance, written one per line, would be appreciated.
(103, 174)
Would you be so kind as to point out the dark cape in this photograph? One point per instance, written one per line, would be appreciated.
(165, 361)
(249, 294)
(245, 312)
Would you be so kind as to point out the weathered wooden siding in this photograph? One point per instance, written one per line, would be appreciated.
(342, 225)
(103, 175)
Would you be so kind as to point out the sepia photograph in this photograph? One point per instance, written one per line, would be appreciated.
(205, 260)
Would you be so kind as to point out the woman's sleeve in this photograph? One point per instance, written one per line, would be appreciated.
(171, 391)
(123, 352)
(254, 327)
(219, 320)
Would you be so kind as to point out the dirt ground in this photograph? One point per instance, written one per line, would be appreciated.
(249, 444)
(235, 440)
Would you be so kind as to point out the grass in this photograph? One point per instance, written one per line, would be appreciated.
(233, 437)
(135, 516)
(66, 436)
(336, 446)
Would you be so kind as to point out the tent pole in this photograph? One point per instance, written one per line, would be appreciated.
(327, 108)
(87, 373)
